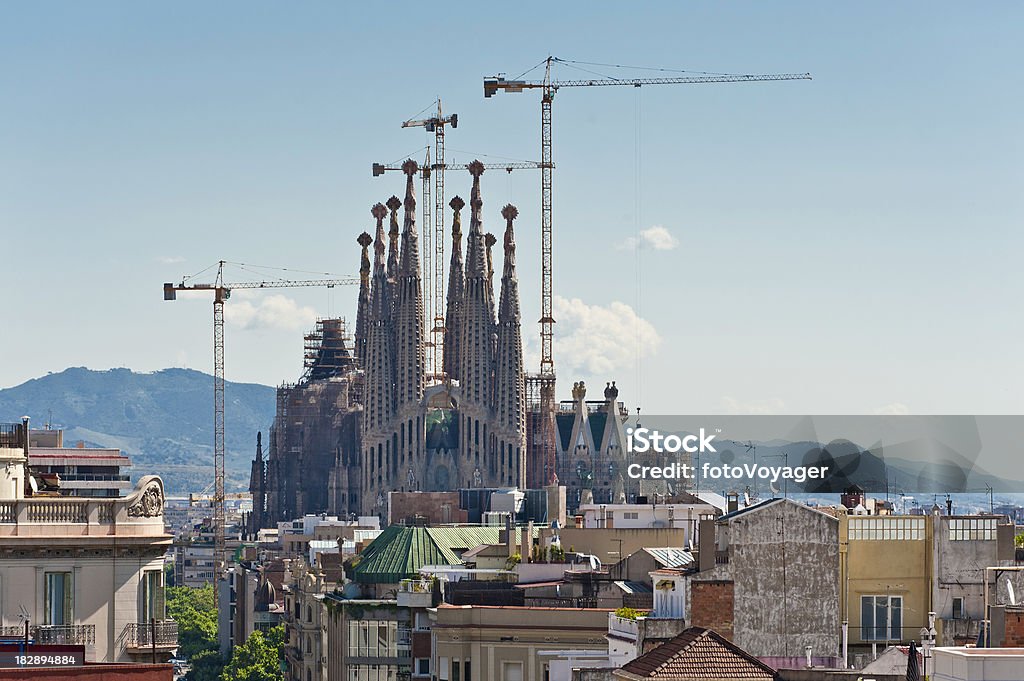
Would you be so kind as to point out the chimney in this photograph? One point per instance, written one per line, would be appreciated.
(526, 543)
(706, 544)
(510, 536)
(733, 501)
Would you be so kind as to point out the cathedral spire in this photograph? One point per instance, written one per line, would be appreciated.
(363, 304)
(489, 241)
(477, 366)
(509, 389)
(508, 309)
(456, 296)
(476, 263)
(394, 203)
(380, 290)
(378, 404)
(409, 336)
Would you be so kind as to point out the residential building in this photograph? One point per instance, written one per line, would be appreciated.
(774, 587)
(82, 472)
(366, 640)
(82, 571)
(503, 643)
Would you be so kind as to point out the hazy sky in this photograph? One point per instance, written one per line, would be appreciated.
(845, 245)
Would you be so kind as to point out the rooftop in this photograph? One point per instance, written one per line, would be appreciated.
(697, 653)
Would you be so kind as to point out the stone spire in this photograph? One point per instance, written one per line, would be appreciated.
(478, 322)
(378, 401)
(394, 203)
(489, 241)
(409, 348)
(456, 296)
(363, 305)
(509, 390)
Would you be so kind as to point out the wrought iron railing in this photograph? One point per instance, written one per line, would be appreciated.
(164, 633)
(54, 634)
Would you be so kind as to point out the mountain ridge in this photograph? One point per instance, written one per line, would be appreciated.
(162, 419)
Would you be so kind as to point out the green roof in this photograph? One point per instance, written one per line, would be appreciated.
(399, 552)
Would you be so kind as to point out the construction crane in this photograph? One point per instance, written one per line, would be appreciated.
(433, 255)
(221, 293)
(544, 382)
(433, 276)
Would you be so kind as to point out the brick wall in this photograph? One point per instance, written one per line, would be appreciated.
(407, 505)
(711, 606)
(1014, 637)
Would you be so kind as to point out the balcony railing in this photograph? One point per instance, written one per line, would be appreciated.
(54, 634)
(164, 633)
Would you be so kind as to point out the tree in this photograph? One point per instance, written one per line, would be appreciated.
(258, 659)
(194, 611)
(196, 616)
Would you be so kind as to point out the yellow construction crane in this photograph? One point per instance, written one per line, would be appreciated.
(221, 293)
(544, 382)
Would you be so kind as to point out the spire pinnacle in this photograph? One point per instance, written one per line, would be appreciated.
(394, 203)
(510, 213)
(364, 241)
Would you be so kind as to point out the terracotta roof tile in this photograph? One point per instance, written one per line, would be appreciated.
(698, 654)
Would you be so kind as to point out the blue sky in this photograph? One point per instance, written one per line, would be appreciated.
(845, 245)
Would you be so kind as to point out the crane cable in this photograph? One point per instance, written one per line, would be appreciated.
(638, 240)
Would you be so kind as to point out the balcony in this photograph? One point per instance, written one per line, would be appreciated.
(415, 593)
(140, 514)
(54, 634)
(623, 627)
(143, 636)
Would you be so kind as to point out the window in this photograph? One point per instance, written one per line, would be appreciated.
(881, 618)
(958, 608)
(630, 515)
(151, 597)
(59, 598)
(423, 666)
(886, 528)
(456, 676)
(372, 638)
(468, 675)
(966, 529)
(511, 671)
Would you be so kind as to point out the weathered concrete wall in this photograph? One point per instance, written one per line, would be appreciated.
(784, 564)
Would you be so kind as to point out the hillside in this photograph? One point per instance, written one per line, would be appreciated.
(163, 420)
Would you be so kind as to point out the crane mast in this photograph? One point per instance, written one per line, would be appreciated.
(541, 386)
(433, 257)
(221, 293)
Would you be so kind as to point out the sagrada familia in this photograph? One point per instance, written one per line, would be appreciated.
(367, 418)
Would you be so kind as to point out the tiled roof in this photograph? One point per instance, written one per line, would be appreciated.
(399, 552)
(697, 654)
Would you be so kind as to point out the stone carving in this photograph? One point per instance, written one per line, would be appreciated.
(150, 504)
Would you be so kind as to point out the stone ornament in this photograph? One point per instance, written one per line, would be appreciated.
(150, 504)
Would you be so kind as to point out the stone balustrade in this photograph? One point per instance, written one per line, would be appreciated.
(138, 514)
